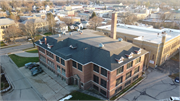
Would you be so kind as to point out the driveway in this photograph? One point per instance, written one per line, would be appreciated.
(48, 85)
(157, 85)
(22, 89)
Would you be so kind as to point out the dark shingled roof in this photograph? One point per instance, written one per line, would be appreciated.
(88, 50)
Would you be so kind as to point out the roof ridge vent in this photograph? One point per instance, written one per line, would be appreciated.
(120, 39)
(101, 45)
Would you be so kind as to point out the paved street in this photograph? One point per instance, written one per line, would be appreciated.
(157, 86)
(15, 49)
(22, 89)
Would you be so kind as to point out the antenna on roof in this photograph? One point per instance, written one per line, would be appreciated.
(101, 45)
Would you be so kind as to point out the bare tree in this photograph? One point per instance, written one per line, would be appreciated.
(68, 21)
(129, 19)
(30, 30)
(5, 6)
(51, 21)
(12, 32)
(95, 22)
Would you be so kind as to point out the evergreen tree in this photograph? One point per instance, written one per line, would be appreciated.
(93, 15)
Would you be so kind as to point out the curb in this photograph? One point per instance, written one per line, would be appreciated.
(28, 81)
(130, 88)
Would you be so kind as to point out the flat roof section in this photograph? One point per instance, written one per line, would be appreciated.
(144, 33)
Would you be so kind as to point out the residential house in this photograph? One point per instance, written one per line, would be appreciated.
(5, 23)
(40, 24)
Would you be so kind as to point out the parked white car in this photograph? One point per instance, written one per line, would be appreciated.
(172, 98)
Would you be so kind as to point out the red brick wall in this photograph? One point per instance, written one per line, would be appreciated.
(113, 76)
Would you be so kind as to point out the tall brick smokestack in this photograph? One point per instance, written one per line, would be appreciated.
(113, 25)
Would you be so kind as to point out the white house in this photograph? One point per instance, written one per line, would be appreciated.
(47, 8)
(34, 8)
(42, 11)
(85, 24)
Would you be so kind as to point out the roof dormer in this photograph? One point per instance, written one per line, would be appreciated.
(120, 60)
(138, 51)
(129, 55)
(72, 47)
(49, 46)
(40, 42)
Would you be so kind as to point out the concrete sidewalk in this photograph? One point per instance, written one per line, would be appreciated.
(25, 54)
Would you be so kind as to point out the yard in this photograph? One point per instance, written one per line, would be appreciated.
(31, 50)
(20, 61)
(81, 96)
(47, 34)
(2, 44)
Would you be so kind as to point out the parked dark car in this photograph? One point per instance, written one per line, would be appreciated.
(32, 66)
(36, 71)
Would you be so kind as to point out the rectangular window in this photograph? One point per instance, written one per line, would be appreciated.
(57, 59)
(96, 79)
(80, 67)
(118, 89)
(62, 61)
(74, 64)
(103, 92)
(58, 69)
(63, 72)
(138, 60)
(41, 49)
(120, 70)
(42, 58)
(129, 64)
(119, 80)
(96, 87)
(136, 70)
(128, 75)
(103, 83)
(128, 82)
(50, 63)
(104, 72)
(50, 54)
(135, 77)
(96, 68)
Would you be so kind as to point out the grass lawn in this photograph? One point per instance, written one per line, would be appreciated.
(47, 34)
(81, 96)
(2, 44)
(127, 88)
(20, 61)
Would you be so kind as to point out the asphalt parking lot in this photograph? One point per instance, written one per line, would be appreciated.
(48, 85)
(157, 85)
